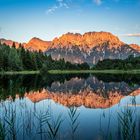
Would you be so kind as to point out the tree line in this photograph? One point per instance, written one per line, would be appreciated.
(127, 64)
(12, 59)
(62, 65)
(19, 59)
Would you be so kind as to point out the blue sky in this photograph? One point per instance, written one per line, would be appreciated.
(20, 20)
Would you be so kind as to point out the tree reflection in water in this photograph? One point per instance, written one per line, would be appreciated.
(69, 107)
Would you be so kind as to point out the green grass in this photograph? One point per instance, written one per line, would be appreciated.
(94, 71)
(18, 72)
(127, 124)
(73, 72)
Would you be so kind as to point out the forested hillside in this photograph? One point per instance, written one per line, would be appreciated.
(19, 59)
(130, 63)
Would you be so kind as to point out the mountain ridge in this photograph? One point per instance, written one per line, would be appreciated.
(89, 39)
(70, 38)
(37, 44)
(89, 47)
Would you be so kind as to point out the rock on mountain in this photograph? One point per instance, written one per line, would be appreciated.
(76, 48)
(36, 44)
(90, 47)
(9, 42)
(135, 46)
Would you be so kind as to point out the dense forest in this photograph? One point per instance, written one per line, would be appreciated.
(130, 63)
(51, 64)
(12, 59)
(19, 59)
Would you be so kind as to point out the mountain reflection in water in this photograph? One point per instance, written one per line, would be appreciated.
(69, 106)
(101, 85)
(87, 98)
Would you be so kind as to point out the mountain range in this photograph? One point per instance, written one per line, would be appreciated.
(90, 92)
(77, 48)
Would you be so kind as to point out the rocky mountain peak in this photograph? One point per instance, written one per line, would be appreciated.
(9, 42)
(88, 40)
(90, 47)
(37, 44)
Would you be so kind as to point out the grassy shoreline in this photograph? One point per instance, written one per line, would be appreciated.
(18, 72)
(94, 71)
(72, 72)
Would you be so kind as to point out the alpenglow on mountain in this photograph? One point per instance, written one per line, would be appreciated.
(89, 47)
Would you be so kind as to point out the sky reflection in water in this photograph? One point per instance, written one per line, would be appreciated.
(68, 107)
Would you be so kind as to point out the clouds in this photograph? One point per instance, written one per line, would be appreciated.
(60, 4)
(65, 4)
(97, 2)
(131, 35)
(69, 3)
(52, 9)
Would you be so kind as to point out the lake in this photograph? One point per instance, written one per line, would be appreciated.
(70, 107)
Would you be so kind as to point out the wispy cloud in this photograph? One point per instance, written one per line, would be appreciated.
(97, 2)
(59, 4)
(52, 9)
(131, 35)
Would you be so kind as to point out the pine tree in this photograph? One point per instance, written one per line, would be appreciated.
(1, 60)
(13, 45)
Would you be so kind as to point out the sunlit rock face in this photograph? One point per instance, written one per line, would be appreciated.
(77, 48)
(90, 47)
(9, 42)
(90, 92)
(86, 41)
(135, 46)
(36, 44)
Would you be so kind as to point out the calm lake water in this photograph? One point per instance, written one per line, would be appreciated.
(70, 107)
